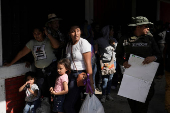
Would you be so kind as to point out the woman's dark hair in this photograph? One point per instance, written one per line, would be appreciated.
(39, 28)
(66, 63)
(30, 73)
(72, 24)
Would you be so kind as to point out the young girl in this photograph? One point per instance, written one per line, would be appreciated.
(61, 85)
(32, 93)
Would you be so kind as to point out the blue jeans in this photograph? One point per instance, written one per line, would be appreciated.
(31, 106)
(72, 101)
(94, 68)
(115, 64)
(106, 84)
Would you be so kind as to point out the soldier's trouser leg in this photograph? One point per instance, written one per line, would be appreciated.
(139, 107)
(167, 91)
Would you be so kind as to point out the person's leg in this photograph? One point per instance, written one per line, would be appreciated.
(99, 80)
(98, 74)
(138, 107)
(104, 84)
(132, 105)
(114, 81)
(167, 91)
(109, 84)
(115, 77)
(27, 107)
(104, 87)
(142, 107)
(35, 105)
(73, 94)
(94, 67)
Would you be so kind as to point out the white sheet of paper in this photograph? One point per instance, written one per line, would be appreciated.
(145, 72)
(137, 79)
(136, 90)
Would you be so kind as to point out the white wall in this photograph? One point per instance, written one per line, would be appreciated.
(9, 72)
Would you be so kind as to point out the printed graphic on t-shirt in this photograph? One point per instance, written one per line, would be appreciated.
(39, 52)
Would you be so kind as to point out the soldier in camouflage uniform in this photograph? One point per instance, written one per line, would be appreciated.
(140, 43)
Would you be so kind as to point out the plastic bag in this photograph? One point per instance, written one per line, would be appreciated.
(91, 104)
(44, 107)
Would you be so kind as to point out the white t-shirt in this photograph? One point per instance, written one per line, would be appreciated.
(82, 46)
(29, 96)
(42, 52)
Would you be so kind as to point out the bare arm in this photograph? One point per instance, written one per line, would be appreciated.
(87, 60)
(22, 87)
(21, 54)
(65, 91)
(31, 91)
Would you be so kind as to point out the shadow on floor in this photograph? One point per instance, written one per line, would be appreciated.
(120, 104)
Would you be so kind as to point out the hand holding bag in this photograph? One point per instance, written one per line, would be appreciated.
(81, 77)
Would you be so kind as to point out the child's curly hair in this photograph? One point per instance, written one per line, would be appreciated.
(66, 63)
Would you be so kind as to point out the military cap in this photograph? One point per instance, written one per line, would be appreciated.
(139, 20)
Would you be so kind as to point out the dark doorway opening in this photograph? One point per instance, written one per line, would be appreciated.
(18, 18)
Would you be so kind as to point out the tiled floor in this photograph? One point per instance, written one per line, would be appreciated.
(120, 104)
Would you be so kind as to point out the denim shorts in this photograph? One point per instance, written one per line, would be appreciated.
(58, 103)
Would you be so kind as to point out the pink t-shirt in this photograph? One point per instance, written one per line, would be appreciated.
(59, 82)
